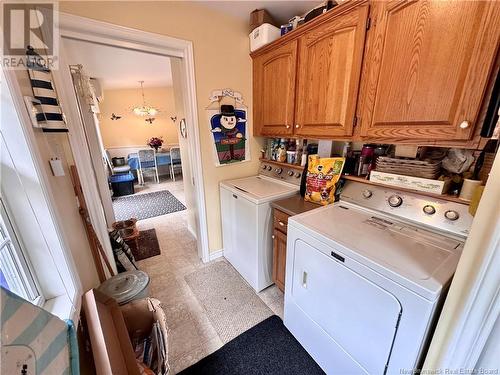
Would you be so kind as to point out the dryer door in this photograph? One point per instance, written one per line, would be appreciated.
(359, 317)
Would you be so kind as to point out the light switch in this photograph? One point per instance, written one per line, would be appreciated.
(57, 167)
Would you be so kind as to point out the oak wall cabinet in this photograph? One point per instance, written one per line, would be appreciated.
(427, 67)
(408, 71)
(274, 75)
(329, 70)
(308, 86)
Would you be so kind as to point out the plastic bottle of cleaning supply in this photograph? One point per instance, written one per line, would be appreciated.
(303, 159)
(346, 149)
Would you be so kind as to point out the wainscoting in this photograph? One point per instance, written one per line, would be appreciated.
(123, 151)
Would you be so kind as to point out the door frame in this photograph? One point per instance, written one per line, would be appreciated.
(86, 29)
(91, 133)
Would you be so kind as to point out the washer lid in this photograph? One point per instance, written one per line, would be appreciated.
(125, 286)
(259, 188)
(420, 260)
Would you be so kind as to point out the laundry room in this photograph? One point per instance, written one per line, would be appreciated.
(386, 242)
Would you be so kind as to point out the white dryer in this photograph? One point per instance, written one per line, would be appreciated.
(247, 220)
(366, 277)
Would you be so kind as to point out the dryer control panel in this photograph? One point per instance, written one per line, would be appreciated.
(434, 213)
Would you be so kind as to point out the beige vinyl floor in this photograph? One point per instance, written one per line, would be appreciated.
(191, 334)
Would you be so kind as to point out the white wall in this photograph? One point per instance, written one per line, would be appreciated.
(52, 145)
(130, 129)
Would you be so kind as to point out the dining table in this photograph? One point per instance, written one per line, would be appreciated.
(162, 158)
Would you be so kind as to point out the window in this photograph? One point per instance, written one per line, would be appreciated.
(15, 274)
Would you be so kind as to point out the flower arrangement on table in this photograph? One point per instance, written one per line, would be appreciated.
(155, 142)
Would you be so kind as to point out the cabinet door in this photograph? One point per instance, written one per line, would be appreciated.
(427, 66)
(274, 90)
(330, 60)
(279, 259)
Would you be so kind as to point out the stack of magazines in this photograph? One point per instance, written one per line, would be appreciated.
(152, 351)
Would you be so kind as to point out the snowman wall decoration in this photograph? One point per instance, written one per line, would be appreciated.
(229, 131)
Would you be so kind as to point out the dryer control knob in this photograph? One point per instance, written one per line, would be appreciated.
(269, 167)
(264, 167)
(298, 174)
(395, 201)
(278, 170)
(290, 173)
(429, 209)
(367, 193)
(451, 215)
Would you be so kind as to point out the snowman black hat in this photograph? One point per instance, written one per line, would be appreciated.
(227, 110)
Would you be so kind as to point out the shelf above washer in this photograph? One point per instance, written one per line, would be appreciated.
(285, 165)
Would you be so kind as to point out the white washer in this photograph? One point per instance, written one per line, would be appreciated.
(366, 277)
(247, 220)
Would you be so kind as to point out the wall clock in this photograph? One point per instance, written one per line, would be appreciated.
(183, 128)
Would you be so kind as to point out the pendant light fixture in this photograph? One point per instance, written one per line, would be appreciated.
(145, 110)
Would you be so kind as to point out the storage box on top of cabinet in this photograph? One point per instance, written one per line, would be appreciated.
(262, 35)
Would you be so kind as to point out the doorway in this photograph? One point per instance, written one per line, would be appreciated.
(185, 182)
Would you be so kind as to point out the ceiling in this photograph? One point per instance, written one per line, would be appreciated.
(280, 10)
(119, 68)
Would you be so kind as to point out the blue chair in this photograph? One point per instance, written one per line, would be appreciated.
(147, 162)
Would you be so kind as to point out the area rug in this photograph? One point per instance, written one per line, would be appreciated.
(231, 304)
(268, 348)
(146, 246)
(143, 206)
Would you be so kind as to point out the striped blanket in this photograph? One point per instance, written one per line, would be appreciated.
(33, 340)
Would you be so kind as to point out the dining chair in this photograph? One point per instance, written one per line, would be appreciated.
(147, 162)
(175, 161)
(115, 169)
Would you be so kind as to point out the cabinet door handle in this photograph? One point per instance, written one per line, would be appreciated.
(281, 223)
(287, 126)
(464, 124)
(235, 196)
(273, 236)
(304, 279)
(297, 126)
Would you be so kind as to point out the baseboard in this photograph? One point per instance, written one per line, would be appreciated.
(216, 254)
